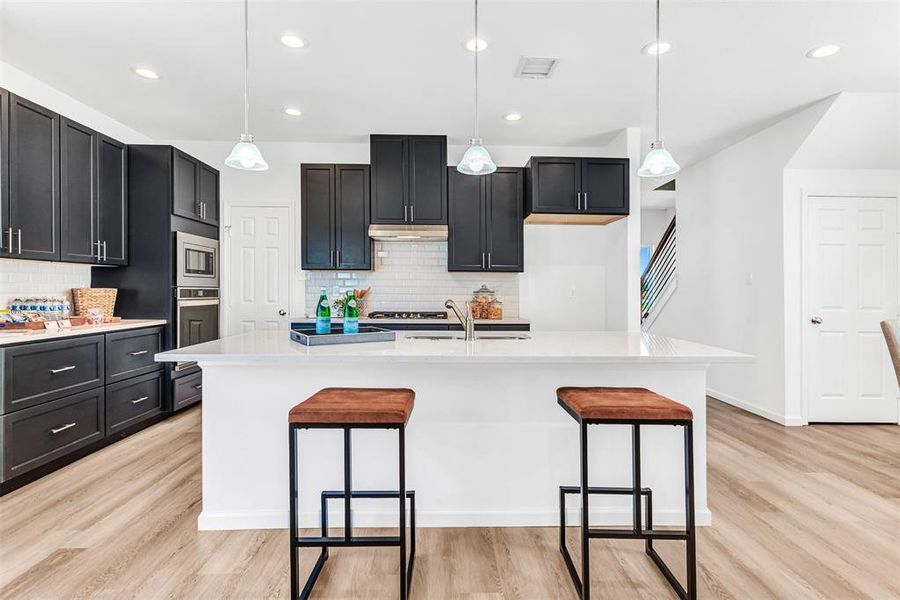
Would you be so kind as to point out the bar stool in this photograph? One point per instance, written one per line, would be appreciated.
(635, 407)
(348, 409)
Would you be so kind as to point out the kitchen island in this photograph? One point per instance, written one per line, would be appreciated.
(487, 444)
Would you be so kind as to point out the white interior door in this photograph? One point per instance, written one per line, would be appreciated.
(259, 269)
(852, 286)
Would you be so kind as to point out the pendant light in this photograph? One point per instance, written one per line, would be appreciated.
(658, 161)
(477, 160)
(246, 155)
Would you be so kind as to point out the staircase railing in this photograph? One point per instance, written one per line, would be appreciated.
(659, 272)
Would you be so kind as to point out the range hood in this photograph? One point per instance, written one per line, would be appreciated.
(408, 233)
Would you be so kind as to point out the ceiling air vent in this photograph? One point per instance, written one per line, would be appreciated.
(536, 67)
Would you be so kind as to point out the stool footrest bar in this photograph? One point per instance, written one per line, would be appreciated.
(614, 491)
(646, 534)
(334, 541)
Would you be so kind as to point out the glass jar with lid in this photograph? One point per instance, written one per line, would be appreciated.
(495, 310)
(482, 298)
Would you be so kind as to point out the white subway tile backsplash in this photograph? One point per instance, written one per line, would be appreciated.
(29, 278)
(413, 276)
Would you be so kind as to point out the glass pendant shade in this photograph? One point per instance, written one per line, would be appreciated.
(246, 155)
(477, 160)
(658, 162)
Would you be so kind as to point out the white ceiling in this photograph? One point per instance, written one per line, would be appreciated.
(400, 66)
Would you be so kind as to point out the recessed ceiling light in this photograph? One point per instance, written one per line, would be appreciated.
(470, 45)
(512, 117)
(653, 49)
(823, 51)
(293, 41)
(291, 111)
(145, 72)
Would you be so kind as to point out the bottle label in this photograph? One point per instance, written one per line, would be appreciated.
(323, 325)
(351, 325)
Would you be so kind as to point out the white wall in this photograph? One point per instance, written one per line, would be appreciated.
(653, 224)
(730, 261)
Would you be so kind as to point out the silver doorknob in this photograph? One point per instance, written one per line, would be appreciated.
(282, 312)
(816, 320)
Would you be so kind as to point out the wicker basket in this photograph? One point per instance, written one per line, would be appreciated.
(85, 299)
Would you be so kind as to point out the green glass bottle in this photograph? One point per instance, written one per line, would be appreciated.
(351, 314)
(323, 313)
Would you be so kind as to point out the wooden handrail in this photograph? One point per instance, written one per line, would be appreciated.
(662, 244)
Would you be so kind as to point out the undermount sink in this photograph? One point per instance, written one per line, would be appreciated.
(478, 336)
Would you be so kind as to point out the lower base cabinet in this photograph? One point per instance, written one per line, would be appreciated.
(134, 400)
(187, 390)
(35, 436)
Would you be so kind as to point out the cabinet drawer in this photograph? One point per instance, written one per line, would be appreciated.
(34, 436)
(187, 390)
(130, 402)
(39, 372)
(130, 353)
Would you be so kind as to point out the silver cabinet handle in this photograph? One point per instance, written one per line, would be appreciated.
(20, 240)
(137, 353)
(405, 213)
(482, 260)
(332, 258)
(104, 250)
(337, 254)
(9, 235)
(97, 243)
(62, 428)
(62, 369)
(579, 201)
(139, 400)
(199, 386)
(585, 201)
(412, 213)
(489, 260)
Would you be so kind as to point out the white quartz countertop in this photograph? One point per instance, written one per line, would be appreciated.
(541, 347)
(44, 335)
(447, 321)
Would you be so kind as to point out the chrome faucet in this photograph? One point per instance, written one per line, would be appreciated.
(466, 320)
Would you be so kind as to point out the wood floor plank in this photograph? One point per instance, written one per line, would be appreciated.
(810, 512)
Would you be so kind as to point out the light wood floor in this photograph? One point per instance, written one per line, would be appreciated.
(798, 513)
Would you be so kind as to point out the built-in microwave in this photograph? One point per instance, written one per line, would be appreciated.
(197, 261)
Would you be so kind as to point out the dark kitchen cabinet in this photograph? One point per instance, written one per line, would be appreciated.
(486, 221)
(577, 186)
(31, 203)
(409, 179)
(93, 196)
(195, 189)
(335, 204)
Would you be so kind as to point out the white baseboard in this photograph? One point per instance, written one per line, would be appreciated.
(788, 421)
(212, 521)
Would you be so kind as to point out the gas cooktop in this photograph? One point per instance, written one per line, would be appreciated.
(407, 314)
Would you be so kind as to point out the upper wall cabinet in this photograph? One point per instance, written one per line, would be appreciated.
(196, 189)
(93, 196)
(486, 221)
(29, 216)
(409, 179)
(576, 186)
(334, 205)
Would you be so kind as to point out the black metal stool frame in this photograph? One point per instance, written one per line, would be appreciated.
(583, 584)
(348, 539)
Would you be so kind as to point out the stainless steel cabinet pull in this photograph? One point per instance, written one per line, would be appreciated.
(97, 243)
(104, 250)
(137, 353)
(338, 255)
(332, 258)
(482, 260)
(62, 428)
(412, 213)
(405, 213)
(20, 240)
(139, 400)
(62, 369)
(579, 201)
(9, 235)
(199, 386)
(585, 201)
(489, 260)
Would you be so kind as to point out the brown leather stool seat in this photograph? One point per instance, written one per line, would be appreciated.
(355, 406)
(620, 404)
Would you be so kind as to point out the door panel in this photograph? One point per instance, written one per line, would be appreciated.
(852, 283)
(390, 180)
(4, 173)
(352, 217)
(428, 179)
(466, 231)
(317, 215)
(557, 182)
(78, 192)
(259, 268)
(604, 186)
(33, 180)
(209, 193)
(197, 324)
(185, 174)
(112, 196)
(505, 224)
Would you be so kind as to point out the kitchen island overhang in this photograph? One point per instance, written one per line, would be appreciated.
(487, 443)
